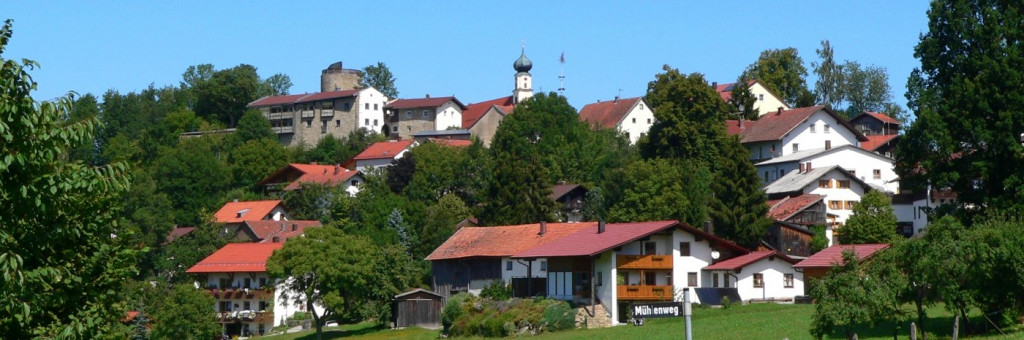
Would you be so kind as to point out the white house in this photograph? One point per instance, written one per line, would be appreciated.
(304, 119)
(292, 176)
(409, 116)
(379, 155)
(841, 189)
(759, 276)
(785, 132)
(872, 168)
(248, 302)
(766, 101)
(632, 116)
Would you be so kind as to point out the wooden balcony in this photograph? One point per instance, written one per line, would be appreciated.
(326, 113)
(245, 317)
(308, 114)
(658, 262)
(284, 129)
(242, 294)
(646, 293)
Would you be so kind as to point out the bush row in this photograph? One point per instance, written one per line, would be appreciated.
(467, 315)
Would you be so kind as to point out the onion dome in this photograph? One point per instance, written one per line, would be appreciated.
(523, 64)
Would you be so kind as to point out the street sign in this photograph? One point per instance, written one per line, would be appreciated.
(657, 310)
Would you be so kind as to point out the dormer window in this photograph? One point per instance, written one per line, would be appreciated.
(827, 128)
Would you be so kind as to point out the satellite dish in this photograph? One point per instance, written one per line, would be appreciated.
(715, 255)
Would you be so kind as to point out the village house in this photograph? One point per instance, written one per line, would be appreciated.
(765, 100)
(610, 265)
(872, 168)
(571, 200)
(270, 231)
(784, 132)
(239, 211)
(292, 176)
(482, 119)
(248, 302)
(380, 155)
(793, 216)
(881, 130)
(406, 117)
(631, 116)
(841, 191)
(821, 262)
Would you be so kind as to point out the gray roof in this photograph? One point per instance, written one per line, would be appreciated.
(801, 155)
(797, 181)
(440, 133)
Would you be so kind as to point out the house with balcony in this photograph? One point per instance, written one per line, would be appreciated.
(765, 101)
(292, 176)
(248, 302)
(571, 200)
(882, 131)
(784, 132)
(380, 155)
(874, 169)
(840, 190)
(305, 119)
(793, 217)
(631, 116)
(271, 231)
(406, 117)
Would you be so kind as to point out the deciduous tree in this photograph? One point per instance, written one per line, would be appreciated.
(379, 77)
(193, 176)
(662, 189)
(186, 313)
(872, 221)
(783, 72)
(689, 118)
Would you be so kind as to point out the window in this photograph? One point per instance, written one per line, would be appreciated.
(600, 278)
(759, 280)
(323, 126)
(714, 280)
(825, 183)
(394, 129)
(225, 306)
(408, 114)
(877, 174)
(853, 172)
(796, 147)
(849, 205)
(650, 279)
(650, 248)
(508, 265)
(544, 265)
(375, 106)
(629, 136)
(634, 120)
(684, 248)
(309, 123)
(348, 106)
(366, 121)
(328, 105)
(835, 205)
(828, 145)
(426, 114)
(760, 97)
(355, 182)
(225, 283)
(691, 279)
(247, 284)
(725, 280)
(812, 127)
(367, 106)
(263, 306)
(263, 282)
(246, 305)
(648, 120)
(787, 280)
(642, 107)
(337, 122)
(828, 128)
(766, 176)
(843, 184)
(374, 122)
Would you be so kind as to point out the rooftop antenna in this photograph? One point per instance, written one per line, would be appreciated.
(561, 75)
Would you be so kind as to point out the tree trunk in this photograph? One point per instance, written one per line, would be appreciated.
(956, 326)
(919, 302)
(316, 320)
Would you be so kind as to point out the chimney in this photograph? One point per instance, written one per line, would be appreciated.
(741, 122)
(801, 168)
(808, 168)
(295, 226)
(543, 227)
(276, 239)
(709, 227)
(282, 227)
(235, 200)
(616, 99)
(337, 169)
(714, 85)
(600, 226)
(779, 113)
(428, 96)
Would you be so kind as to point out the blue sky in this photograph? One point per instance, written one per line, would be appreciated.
(443, 48)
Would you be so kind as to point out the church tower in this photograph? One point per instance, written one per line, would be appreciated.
(524, 81)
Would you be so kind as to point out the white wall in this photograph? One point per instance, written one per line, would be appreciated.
(278, 214)
(637, 122)
(607, 292)
(700, 257)
(284, 308)
(353, 189)
(913, 212)
(853, 193)
(808, 140)
(448, 115)
(375, 114)
(766, 101)
(519, 269)
(369, 165)
(863, 163)
(774, 287)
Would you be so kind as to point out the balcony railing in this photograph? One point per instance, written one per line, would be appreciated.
(308, 114)
(644, 262)
(284, 129)
(326, 113)
(242, 294)
(244, 316)
(650, 293)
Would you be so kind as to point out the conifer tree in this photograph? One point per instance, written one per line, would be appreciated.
(738, 208)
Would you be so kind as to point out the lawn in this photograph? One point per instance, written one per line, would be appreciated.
(758, 321)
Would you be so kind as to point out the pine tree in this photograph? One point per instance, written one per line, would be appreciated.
(738, 208)
(743, 101)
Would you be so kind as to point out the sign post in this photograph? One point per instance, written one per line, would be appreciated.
(687, 312)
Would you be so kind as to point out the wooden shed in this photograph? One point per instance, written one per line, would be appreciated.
(418, 308)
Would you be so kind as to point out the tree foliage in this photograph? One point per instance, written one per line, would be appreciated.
(223, 94)
(783, 72)
(186, 314)
(872, 221)
(828, 89)
(743, 101)
(853, 294)
(689, 118)
(379, 76)
(663, 189)
(737, 206)
(63, 257)
(967, 98)
(193, 176)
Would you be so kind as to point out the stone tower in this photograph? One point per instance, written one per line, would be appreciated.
(524, 81)
(336, 78)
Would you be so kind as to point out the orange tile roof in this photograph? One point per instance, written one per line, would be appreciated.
(739, 262)
(383, 150)
(833, 256)
(876, 141)
(267, 230)
(235, 212)
(237, 257)
(312, 173)
(501, 241)
(884, 118)
(607, 114)
(787, 207)
(458, 143)
(475, 111)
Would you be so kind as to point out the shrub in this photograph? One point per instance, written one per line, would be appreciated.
(472, 316)
(559, 316)
(726, 302)
(497, 291)
(453, 310)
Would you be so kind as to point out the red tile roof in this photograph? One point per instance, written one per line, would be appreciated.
(733, 128)
(456, 143)
(311, 173)
(876, 141)
(265, 231)
(422, 102)
(501, 241)
(833, 256)
(237, 257)
(739, 262)
(774, 126)
(473, 112)
(235, 212)
(383, 150)
(589, 242)
(785, 208)
(301, 98)
(884, 118)
(607, 114)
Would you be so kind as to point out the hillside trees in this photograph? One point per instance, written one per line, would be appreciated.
(783, 72)
(967, 98)
(193, 176)
(737, 206)
(61, 266)
(872, 221)
(379, 76)
(662, 189)
(181, 315)
(689, 116)
(223, 94)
